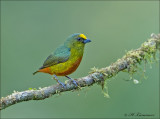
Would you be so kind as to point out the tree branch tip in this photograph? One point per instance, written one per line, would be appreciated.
(154, 36)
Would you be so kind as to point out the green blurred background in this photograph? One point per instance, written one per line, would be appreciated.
(31, 30)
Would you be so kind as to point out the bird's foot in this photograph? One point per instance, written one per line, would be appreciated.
(61, 83)
(58, 81)
(74, 82)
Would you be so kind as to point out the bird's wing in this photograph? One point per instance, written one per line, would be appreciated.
(60, 55)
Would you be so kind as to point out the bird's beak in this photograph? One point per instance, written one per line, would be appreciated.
(86, 41)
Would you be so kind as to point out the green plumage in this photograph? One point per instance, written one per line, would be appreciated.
(60, 55)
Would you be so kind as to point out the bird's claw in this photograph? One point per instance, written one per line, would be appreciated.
(74, 82)
(61, 84)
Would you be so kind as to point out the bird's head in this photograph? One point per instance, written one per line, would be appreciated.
(77, 40)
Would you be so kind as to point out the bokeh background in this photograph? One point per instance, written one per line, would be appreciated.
(31, 30)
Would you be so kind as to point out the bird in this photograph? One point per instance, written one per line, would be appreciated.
(66, 58)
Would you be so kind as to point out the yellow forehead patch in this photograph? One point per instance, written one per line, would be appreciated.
(83, 36)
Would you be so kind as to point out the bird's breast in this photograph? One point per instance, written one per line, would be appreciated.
(66, 68)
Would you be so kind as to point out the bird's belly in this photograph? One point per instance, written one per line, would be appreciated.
(65, 68)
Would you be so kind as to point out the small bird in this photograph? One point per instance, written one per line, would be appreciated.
(66, 58)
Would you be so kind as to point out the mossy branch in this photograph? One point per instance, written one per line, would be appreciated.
(127, 62)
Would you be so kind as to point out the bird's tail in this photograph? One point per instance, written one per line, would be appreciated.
(35, 72)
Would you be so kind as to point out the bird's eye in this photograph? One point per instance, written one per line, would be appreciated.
(78, 38)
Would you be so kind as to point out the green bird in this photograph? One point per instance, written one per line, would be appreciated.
(66, 58)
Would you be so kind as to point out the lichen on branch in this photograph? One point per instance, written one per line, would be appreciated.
(128, 62)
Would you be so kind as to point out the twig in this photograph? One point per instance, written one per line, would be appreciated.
(127, 62)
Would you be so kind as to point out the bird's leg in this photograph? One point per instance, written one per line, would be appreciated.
(72, 80)
(58, 81)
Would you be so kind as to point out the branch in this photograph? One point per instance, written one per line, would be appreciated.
(127, 62)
